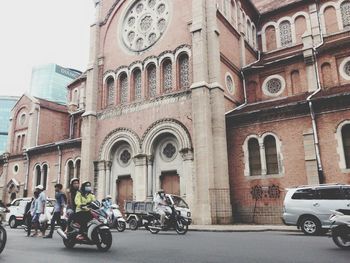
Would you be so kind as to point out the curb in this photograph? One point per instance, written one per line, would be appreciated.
(245, 230)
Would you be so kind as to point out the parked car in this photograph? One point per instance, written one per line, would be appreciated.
(309, 207)
(16, 210)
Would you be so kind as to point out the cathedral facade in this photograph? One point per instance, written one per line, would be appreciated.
(224, 102)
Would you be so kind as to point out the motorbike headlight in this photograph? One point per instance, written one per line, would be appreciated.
(188, 214)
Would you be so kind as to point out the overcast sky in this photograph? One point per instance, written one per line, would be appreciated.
(36, 32)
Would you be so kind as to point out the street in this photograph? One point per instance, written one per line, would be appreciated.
(141, 246)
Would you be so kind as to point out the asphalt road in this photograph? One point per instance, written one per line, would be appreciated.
(141, 246)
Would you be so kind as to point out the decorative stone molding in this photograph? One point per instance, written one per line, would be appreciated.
(142, 105)
(170, 126)
(110, 11)
(118, 135)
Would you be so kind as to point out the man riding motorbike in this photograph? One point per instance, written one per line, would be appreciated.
(161, 206)
(82, 198)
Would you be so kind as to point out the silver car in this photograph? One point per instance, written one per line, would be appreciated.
(309, 207)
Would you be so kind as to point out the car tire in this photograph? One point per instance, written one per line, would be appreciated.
(310, 226)
(13, 222)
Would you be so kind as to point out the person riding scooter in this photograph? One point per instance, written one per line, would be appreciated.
(161, 206)
(83, 216)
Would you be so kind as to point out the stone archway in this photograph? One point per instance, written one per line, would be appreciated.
(168, 147)
(116, 156)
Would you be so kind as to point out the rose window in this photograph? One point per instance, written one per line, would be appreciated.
(274, 86)
(125, 156)
(229, 83)
(169, 150)
(144, 23)
(347, 68)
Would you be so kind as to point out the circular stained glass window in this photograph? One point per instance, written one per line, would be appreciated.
(144, 23)
(229, 83)
(125, 157)
(274, 86)
(347, 68)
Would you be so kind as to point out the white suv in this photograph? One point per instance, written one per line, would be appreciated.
(309, 207)
(16, 210)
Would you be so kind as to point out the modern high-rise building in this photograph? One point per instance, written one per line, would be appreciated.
(6, 104)
(50, 81)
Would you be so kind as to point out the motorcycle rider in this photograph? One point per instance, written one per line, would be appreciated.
(82, 198)
(71, 193)
(161, 205)
(107, 202)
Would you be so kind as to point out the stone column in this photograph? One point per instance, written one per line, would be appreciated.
(263, 158)
(108, 178)
(150, 186)
(186, 183)
(101, 179)
(141, 176)
(89, 117)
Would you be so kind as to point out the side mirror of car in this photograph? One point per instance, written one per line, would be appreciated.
(8, 205)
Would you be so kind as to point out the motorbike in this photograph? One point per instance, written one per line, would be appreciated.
(3, 234)
(115, 218)
(340, 228)
(98, 232)
(173, 220)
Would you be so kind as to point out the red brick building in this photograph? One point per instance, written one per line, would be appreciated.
(224, 102)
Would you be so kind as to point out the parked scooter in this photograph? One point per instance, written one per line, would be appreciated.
(3, 234)
(98, 232)
(172, 221)
(115, 218)
(340, 228)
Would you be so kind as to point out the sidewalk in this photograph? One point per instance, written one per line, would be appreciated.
(243, 228)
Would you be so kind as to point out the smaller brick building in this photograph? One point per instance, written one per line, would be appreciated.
(43, 148)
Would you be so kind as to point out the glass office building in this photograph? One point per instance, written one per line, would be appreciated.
(50, 81)
(6, 105)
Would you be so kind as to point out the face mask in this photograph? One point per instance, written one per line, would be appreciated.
(88, 189)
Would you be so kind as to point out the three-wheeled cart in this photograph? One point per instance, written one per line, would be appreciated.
(136, 213)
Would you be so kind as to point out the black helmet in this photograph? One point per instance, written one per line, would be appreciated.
(95, 205)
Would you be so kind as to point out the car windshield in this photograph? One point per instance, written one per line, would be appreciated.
(179, 202)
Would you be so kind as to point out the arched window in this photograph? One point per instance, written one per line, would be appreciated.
(248, 31)
(331, 24)
(77, 167)
(184, 74)
(254, 157)
(270, 33)
(285, 33)
(271, 155)
(70, 172)
(137, 84)
(110, 91)
(345, 132)
(345, 14)
(123, 84)
(152, 80)
(45, 171)
(38, 175)
(167, 76)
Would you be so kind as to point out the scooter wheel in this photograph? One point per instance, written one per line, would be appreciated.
(103, 240)
(121, 226)
(341, 242)
(69, 243)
